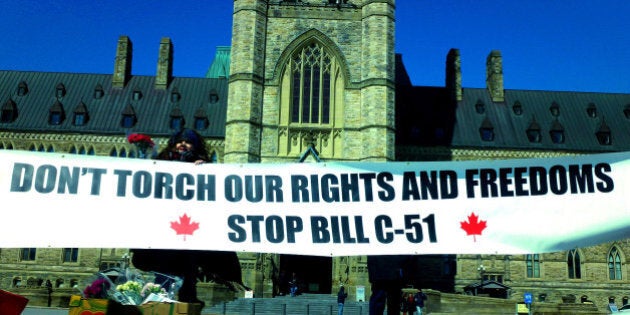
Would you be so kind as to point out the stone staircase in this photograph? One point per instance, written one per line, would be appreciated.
(303, 304)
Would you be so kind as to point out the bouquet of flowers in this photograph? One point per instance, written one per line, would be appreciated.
(142, 142)
(133, 288)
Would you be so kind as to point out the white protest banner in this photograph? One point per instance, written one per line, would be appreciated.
(323, 209)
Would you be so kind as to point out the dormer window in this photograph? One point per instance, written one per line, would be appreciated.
(175, 96)
(214, 96)
(136, 95)
(9, 112)
(486, 131)
(80, 115)
(201, 119)
(591, 110)
(129, 118)
(557, 132)
(626, 111)
(56, 114)
(98, 92)
(177, 119)
(603, 134)
(554, 109)
(533, 132)
(60, 90)
(517, 108)
(480, 107)
(22, 89)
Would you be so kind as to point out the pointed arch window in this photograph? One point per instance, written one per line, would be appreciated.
(533, 265)
(80, 117)
(311, 69)
(603, 134)
(9, 112)
(574, 264)
(98, 92)
(177, 119)
(60, 90)
(175, 95)
(533, 132)
(201, 119)
(517, 108)
(486, 130)
(129, 118)
(22, 89)
(557, 132)
(614, 264)
(56, 114)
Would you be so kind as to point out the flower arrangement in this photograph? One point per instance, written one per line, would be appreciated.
(142, 142)
(133, 288)
(140, 139)
(97, 289)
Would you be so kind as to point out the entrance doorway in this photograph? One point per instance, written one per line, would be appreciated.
(314, 273)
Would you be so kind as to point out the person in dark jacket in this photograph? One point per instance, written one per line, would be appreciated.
(386, 277)
(222, 267)
(341, 299)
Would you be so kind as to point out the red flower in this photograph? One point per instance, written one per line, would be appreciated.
(140, 139)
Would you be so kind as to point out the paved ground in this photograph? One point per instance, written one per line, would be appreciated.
(33, 310)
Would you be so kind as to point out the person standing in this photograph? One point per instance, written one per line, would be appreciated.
(419, 298)
(341, 299)
(409, 305)
(187, 145)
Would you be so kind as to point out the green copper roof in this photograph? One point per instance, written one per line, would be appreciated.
(220, 67)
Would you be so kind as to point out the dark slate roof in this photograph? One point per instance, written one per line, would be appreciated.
(153, 110)
(428, 118)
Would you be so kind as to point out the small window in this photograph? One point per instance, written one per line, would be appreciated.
(27, 254)
(201, 123)
(60, 90)
(177, 123)
(129, 118)
(70, 254)
(517, 108)
(614, 265)
(56, 114)
(22, 89)
(486, 130)
(603, 134)
(177, 119)
(214, 96)
(554, 109)
(9, 112)
(626, 111)
(557, 132)
(175, 96)
(137, 95)
(128, 121)
(574, 265)
(98, 92)
(591, 110)
(480, 107)
(533, 132)
(79, 119)
(557, 136)
(533, 265)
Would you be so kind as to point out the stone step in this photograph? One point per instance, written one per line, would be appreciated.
(307, 304)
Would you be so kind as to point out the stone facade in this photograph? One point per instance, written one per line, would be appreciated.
(271, 41)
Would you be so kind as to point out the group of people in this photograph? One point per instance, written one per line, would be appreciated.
(188, 146)
(413, 303)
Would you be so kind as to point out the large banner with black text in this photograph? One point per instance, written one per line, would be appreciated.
(323, 209)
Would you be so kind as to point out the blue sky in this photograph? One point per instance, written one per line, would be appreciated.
(560, 45)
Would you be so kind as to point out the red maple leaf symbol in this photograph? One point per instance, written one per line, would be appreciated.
(474, 226)
(184, 226)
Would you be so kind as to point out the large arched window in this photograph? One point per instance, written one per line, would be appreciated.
(614, 264)
(573, 264)
(311, 85)
(312, 90)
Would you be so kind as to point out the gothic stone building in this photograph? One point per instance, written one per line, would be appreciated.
(316, 80)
